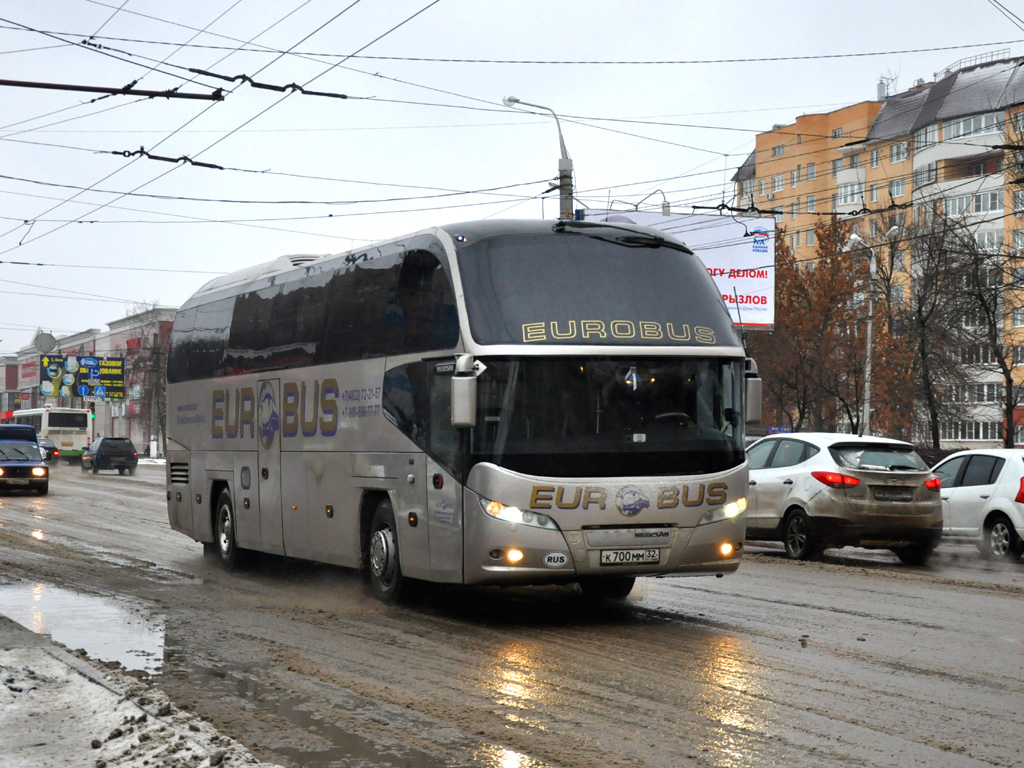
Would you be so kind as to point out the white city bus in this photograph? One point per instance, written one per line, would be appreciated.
(502, 402)
(69, 428)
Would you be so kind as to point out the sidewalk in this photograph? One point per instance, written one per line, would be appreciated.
(60, 711)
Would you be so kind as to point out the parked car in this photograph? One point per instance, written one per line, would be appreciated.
(812, 491)
(111, 453)
(21, 462)
(49, 449)
(983, 500)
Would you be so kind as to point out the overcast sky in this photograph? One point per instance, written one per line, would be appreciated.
(661, 96)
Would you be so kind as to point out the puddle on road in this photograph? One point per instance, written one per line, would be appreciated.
(347, 748)
(106, 630)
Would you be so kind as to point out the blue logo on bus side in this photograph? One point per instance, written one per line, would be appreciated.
(269, 420)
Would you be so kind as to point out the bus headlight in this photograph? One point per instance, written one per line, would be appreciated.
(516, 515)
(724, 512)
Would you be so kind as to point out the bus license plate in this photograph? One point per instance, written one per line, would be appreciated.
(629, 556)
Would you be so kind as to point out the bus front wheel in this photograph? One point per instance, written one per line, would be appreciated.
(228, 554)
(385, 565)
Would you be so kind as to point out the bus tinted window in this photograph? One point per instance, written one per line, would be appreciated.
(559, 288)
(393, 304)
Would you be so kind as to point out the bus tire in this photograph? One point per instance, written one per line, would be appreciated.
(383, 558)
(228, 553)
(607, 587)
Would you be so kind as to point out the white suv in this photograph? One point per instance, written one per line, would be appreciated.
(812, 491)
(983, 500)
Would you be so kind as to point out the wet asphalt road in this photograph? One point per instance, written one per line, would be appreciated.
(856, 660)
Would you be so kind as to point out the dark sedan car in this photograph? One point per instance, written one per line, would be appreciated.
(22, 467)
(111, 453)
(49, 449)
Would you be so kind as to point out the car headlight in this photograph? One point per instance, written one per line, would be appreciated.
(724, 512)
(516, 515)
(39, 471)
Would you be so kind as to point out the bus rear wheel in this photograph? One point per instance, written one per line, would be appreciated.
(385, 564)
(228, 553)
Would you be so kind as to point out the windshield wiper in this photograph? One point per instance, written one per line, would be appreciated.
(633, 240)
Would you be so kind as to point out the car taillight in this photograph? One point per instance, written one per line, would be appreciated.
(934, 483)
(1020, 493)
(135, 454)
(835, 479)
(56, 452)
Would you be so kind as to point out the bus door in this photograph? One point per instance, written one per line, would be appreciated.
(268, 421)
(444, 511)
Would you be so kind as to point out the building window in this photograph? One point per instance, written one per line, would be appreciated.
(811, 203)
(926, 174)
(747, 190)
(812, 172)
(988, 201)
(778, 183)
(837, 133)
(926, 137)
(958, 206)
(896, 188)
(779, 150)
(760, 187)
(1018, 239)
(972, 126)
(837, 166)
(1018, 352)
(897, 259)
(850, 194)
(1018, 203)
(810, 237)
(855, 161)
(991, 240)
(874, 193)
(896, 294)
(875, 154)
(794, 241)
(793, 207)
(898, 152)
(1018, 122)
(1018, 317)
(835, 201)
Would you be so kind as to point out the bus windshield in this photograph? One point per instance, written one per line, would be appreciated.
(607, 417)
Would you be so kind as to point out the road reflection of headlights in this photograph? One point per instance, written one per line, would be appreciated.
(725, 512)
(516, 515)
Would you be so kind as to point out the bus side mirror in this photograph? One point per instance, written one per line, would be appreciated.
(464, 391)
(752, 395)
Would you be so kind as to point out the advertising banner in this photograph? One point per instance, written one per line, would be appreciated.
(738, 251)
(94, 378)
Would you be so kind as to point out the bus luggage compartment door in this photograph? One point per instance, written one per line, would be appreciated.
(268, 420)
(444, 511)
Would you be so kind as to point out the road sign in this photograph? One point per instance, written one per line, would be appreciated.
(99, 377)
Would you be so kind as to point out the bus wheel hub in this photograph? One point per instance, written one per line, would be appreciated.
(382, 555)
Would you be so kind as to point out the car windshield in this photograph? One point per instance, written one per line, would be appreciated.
(19, 450)
(889, 458)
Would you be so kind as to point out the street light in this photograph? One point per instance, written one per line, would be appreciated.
(858, 242)
(564, 162)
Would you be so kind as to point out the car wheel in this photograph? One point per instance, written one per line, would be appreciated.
(43, 489)
(131, 470)
(120, 470)
(95, 468)
(83, 466)
(386, 576)
(607, 587)
(228, 553)
(914, 554)
(1000, 541)
(796, 536)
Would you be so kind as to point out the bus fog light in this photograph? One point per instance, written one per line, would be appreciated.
(514, 555)
(496, 554)
(725, 549)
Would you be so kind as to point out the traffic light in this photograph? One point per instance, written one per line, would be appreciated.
(92, 410)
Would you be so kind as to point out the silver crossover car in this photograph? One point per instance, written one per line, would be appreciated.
(812, 491)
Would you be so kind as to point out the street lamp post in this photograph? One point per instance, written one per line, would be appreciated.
(564, 162)
(858, 241)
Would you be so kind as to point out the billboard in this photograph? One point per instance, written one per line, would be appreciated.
(738, 251)
(94, 378)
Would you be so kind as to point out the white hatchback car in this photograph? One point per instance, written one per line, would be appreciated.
(812, 491)
(983, 500)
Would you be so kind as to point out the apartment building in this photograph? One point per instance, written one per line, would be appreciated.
(953, 144)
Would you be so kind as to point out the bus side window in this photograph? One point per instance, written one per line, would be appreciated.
(417, 399)
(177, 360)
(425, 305)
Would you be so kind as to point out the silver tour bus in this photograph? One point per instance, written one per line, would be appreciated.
(498, 402)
